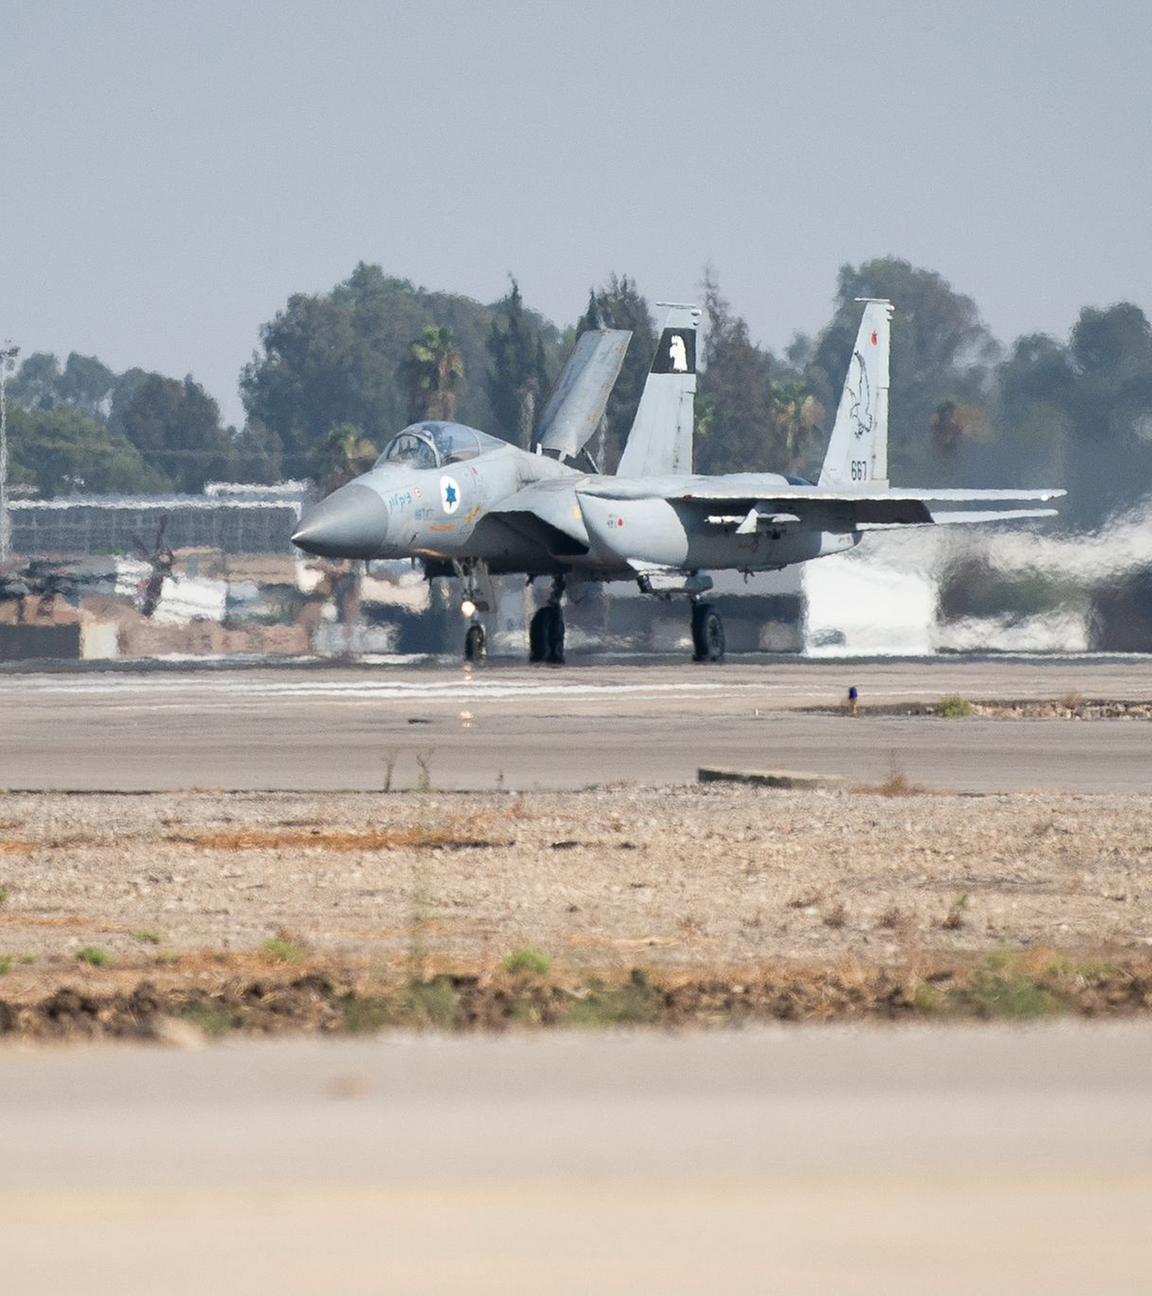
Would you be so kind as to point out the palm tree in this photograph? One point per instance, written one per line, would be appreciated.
(798, 414)
(435, 369)
(954, 425)
(345, 453)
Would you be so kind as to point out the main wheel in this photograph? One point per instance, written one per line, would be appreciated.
(707, 634)
(538, 635)
(555, 645)
(475, 643)
(546, 636)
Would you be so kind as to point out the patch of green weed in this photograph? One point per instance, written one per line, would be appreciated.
(366, 1014)
(955, 707)
(211, 1016)
(528, 960)
(283, 949)
(1009, 996)
(634, 1003)
(434, 1003)
(930, 1000)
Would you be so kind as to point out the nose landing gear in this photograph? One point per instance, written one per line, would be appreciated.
(471, 605)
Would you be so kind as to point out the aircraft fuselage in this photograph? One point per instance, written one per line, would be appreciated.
(455, 514)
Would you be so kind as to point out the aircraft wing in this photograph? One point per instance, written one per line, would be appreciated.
(580, 396)
(544, 513)
(763, 486)
(960, 517)
(754, 500)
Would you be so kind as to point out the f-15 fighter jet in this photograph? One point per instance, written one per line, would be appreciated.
(468, 504)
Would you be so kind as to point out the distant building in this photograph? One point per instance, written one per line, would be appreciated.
(232, 517)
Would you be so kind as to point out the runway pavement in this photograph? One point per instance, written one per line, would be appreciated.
(519, 727)
(801, 1161)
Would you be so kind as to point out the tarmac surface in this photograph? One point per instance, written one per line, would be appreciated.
(792, 1160)
(516, 727)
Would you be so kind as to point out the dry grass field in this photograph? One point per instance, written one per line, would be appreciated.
(296, 911)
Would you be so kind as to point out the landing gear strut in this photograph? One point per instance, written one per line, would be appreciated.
(471, 605)
(707, 633)
(546, 629)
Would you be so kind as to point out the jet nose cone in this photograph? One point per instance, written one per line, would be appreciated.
(352, 522)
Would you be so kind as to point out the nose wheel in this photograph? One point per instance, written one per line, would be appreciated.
(475, 643)
(707, 633)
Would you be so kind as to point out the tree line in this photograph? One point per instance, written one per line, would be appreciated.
(338, 373)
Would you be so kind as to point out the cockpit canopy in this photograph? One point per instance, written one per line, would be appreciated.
(433, 444)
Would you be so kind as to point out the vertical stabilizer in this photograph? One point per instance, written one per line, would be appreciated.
(581, 392)
(858, 450)
(660, 442)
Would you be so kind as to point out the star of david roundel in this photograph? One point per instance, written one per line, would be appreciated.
(449, 494)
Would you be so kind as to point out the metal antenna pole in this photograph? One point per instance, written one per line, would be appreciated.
(8, 354)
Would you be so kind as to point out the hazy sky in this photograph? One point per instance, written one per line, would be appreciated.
(171, 172)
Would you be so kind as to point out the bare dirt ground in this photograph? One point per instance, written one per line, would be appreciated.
(872, 895)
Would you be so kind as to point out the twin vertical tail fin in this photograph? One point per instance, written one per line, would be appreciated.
(857, 455)
(660, 442)
(580, 395)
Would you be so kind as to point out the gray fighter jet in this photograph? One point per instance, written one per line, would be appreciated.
(468, 504)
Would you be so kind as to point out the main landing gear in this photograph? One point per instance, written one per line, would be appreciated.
(707, 633)
(546, 629)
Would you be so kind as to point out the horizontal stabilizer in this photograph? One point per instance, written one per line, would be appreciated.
(580, 396)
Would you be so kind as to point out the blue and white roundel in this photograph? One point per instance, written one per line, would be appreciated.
(449, 494)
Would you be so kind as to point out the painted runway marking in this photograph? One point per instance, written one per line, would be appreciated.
(170, 695)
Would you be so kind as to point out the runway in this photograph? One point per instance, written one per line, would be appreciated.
(521, 728)
(948, 1160)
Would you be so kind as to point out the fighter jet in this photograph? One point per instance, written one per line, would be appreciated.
(468, 504)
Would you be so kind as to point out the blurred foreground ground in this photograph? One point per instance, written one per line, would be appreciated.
(893, 1161)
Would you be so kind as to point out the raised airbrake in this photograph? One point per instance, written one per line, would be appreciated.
(468, 504)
